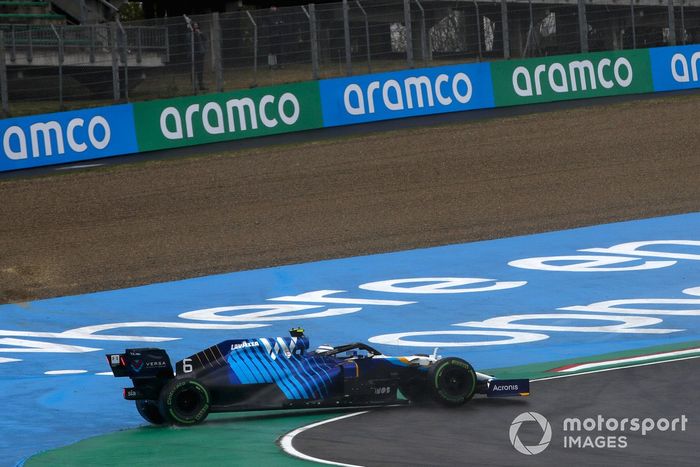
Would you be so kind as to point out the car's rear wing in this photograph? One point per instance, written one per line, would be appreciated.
(140, 364)
(148, 369)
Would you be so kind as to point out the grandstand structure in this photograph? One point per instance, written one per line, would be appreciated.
(71, 33)
(57, 12)
(81, 40)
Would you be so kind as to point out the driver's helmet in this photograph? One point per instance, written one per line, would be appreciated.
(323, 348)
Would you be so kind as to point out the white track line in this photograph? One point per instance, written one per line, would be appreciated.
(287, 440)
(82, 166)
(8, 360)
(65, 372)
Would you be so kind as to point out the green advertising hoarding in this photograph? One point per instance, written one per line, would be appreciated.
(564, 77)
(188, 121)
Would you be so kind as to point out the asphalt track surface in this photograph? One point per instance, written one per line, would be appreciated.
(478, 432)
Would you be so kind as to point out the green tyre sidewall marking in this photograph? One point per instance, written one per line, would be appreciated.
(201, 415)
(457, 362)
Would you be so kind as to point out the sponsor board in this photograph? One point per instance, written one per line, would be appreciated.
(409, 93)
(145, 126)
(565, 77)
(65, 137)
(188, 121)
(675, 68)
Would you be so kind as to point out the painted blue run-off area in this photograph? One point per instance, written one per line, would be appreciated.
(659, 284)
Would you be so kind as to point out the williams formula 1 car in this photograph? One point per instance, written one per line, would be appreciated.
(282, 373)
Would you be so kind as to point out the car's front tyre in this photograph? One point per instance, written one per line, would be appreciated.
(452, 381)
(184, 401)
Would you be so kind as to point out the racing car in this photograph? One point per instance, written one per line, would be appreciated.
(283, 373)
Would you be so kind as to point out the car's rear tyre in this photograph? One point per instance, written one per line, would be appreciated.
(148, 409)
(184, 402)
(452, 381)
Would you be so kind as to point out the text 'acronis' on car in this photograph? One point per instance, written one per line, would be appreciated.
(281, 373)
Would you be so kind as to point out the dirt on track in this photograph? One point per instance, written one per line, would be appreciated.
(129, 225)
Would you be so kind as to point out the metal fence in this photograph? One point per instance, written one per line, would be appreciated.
(44, 68)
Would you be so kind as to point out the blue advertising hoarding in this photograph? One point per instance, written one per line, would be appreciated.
(64, 137)
(408, 93)
(675, 68)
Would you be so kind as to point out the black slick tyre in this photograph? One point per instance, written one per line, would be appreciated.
(184, 402)
(452, 381)
(148, 409)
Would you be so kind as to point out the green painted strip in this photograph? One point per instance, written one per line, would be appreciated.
(225, 439)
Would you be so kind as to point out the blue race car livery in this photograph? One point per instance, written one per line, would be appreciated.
(283, 373)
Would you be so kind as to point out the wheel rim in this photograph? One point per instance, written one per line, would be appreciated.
(188, 402)
(455, 382)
